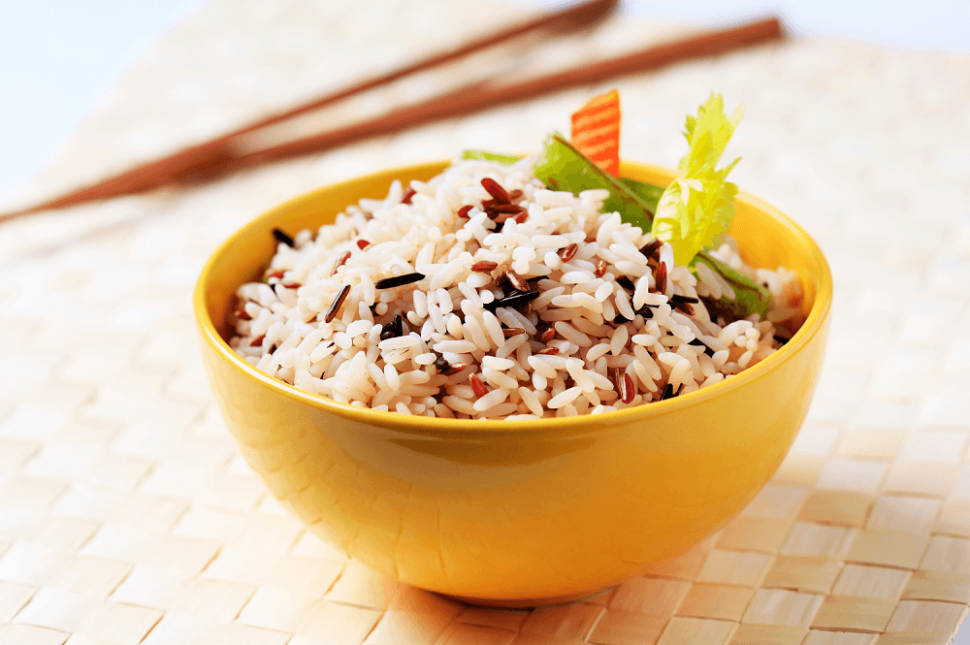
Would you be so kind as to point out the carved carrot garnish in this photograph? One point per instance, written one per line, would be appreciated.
(596, 131)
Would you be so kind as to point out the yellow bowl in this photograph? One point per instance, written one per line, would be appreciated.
(524, 512)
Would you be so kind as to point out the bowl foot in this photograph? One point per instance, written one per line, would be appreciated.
(522, 603)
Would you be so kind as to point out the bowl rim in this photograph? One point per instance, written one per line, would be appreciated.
(813, 325)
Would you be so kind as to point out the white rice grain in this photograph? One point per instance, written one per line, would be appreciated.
(501, 364)
(571, 334)
(564, 398)
(490, 400)
(542, 367)
(619, 339)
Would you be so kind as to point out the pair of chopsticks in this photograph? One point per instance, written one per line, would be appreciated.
(224, 155)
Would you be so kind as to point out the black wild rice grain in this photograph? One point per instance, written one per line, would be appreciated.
(781, 340)
(697, 342)
(515, 299)
(683, 307)
(282, 237)
(683, 299)
(650, 248)
(441, 364)
(393, 329)
(626, 283)
(337, 302)
(398, 280)
(668, 392)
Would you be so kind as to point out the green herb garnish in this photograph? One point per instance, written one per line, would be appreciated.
(696, 209)
(649, 194)
(692, 213)
(749, 296)
(562, 167)
(507, 160)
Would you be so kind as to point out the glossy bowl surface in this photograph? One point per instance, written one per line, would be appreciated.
(522, 512)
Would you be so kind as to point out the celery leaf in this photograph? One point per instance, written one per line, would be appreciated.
(696, 209)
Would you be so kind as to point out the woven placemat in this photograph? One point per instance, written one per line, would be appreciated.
(127, 515)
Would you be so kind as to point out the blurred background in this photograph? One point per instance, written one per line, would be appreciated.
(60, 57)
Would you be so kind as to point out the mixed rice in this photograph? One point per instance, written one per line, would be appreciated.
(481, 294)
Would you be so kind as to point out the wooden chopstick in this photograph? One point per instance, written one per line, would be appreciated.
(174, 167)
(466, 100)
(482, 96)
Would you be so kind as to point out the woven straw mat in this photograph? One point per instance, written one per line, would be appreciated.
(127, 515)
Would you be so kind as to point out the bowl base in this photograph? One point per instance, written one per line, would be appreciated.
(522, 603)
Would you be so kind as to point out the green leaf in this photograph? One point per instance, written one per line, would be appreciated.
(749, 296)
(649, 194)
(696, 209)
(562, 167)
(508, 160)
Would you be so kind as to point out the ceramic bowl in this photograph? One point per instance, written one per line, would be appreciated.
(524, 512)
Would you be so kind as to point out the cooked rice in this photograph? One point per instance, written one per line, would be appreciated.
(588, 345)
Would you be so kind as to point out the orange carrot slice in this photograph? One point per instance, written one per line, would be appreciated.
(596, 131)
